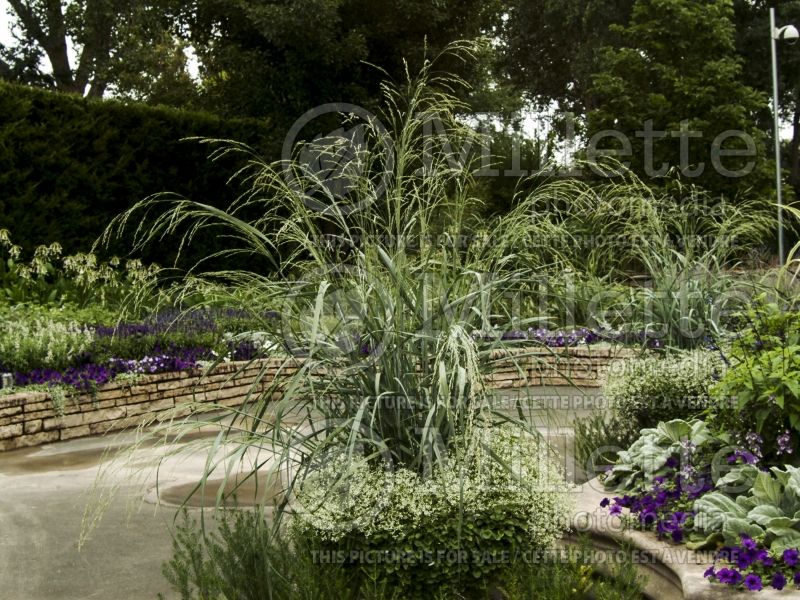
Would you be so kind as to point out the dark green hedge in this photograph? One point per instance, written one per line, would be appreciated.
(68, 164)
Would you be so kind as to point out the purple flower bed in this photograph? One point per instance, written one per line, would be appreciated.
(82, 378)
(175, 321)
(165, 356)
(575, 337)
(86, 377)
(752, 566)
(91, 370)
(666, 507)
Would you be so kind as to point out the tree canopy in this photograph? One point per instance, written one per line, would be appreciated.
(700, 65)
(678, 95)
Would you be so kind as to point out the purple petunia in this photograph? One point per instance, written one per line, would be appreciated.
(748, 542)
(753, 582)
(729, 576)
(747, 457)
(746, 558)
(790, 556)
(778, 581)
(648, 517)
(764, 557)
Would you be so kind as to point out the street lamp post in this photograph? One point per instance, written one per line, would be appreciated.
(788, 32)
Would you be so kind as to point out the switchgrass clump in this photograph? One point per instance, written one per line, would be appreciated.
(379, 307)
(377, 296)
(678, 254)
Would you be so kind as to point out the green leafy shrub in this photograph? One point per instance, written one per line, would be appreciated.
(452, 531)
(760, 392)
(51, 278)
(69, 164)
(646, 390)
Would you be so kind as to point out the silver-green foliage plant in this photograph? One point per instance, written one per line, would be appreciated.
(653, 388)
(764, 505)
(464, 521)
(647, 457)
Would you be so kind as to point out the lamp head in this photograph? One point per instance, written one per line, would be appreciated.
(787, 34)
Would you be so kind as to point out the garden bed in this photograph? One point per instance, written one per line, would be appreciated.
(32, 418)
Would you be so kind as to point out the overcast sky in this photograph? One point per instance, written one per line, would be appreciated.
(5, 23)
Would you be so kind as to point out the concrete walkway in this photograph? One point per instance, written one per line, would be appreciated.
(44, 492)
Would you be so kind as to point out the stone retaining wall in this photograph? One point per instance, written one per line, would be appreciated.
(30, 419)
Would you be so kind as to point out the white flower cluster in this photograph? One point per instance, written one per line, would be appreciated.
(511, 474)
(148, 364)
(25, 343)
(261, 340)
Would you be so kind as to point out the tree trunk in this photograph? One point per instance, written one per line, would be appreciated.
(49, 29)
(5, 70)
